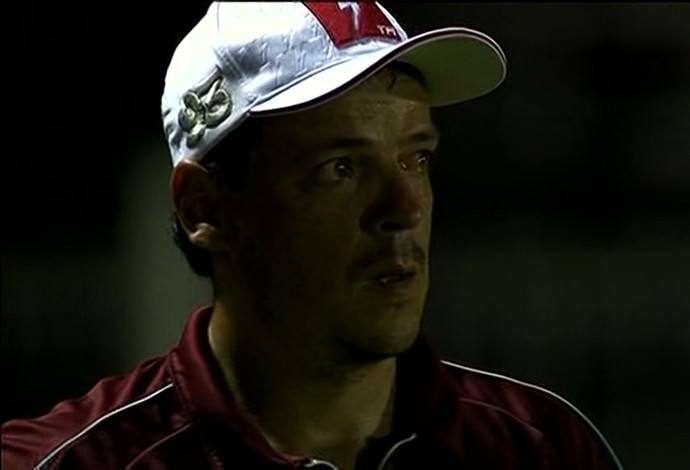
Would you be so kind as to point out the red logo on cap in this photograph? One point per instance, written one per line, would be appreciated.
(346, 22)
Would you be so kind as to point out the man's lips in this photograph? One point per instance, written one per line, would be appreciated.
(390, 279)
(396, 276)
(397, 262)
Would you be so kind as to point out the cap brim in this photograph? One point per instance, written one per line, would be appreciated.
(458, 64)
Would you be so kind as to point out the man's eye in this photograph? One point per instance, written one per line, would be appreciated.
(338, 168)
(419, 161)
(424, 159)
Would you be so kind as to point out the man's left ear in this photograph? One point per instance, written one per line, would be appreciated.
(195, 198)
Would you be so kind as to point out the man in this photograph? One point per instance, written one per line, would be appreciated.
(301, 138)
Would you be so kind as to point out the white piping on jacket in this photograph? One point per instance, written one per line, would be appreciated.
(550, 393)
(46, 460)
(393, 449)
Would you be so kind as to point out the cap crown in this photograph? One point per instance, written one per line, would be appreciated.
(241, 54)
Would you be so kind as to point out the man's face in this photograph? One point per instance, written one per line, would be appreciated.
(331, 232)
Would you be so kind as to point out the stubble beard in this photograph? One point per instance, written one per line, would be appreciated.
(334, 353)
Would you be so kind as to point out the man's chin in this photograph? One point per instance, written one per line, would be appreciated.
(377, 347)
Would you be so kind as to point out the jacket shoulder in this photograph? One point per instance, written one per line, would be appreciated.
(570, 432)
(97, 421)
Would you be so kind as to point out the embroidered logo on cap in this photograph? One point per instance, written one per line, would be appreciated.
(348, 22)
(202, 110)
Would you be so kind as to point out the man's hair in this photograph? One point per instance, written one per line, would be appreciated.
(229, 160)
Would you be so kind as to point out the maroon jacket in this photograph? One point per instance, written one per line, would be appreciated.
(174, 412)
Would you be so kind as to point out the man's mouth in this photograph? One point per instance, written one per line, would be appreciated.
(392, 279)
(400, 279)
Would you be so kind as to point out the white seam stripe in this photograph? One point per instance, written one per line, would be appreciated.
(393, 449)
(69, 441)
(550, 393)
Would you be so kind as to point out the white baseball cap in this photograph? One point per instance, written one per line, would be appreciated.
(261, 58)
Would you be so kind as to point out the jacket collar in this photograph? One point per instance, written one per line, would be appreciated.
(428, 397)
(207, 399)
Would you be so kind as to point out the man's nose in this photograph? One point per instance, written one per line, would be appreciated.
(400, 206)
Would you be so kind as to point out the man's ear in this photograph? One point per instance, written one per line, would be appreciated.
(195, 197)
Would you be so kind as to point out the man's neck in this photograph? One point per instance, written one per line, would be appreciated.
(302, 406)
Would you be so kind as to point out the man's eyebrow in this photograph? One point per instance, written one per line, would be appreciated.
(425, 135)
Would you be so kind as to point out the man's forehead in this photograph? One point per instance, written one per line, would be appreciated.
(362, 122)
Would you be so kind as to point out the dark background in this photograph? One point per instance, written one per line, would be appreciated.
(561, 249)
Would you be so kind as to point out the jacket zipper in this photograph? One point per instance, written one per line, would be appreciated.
(311, 463)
